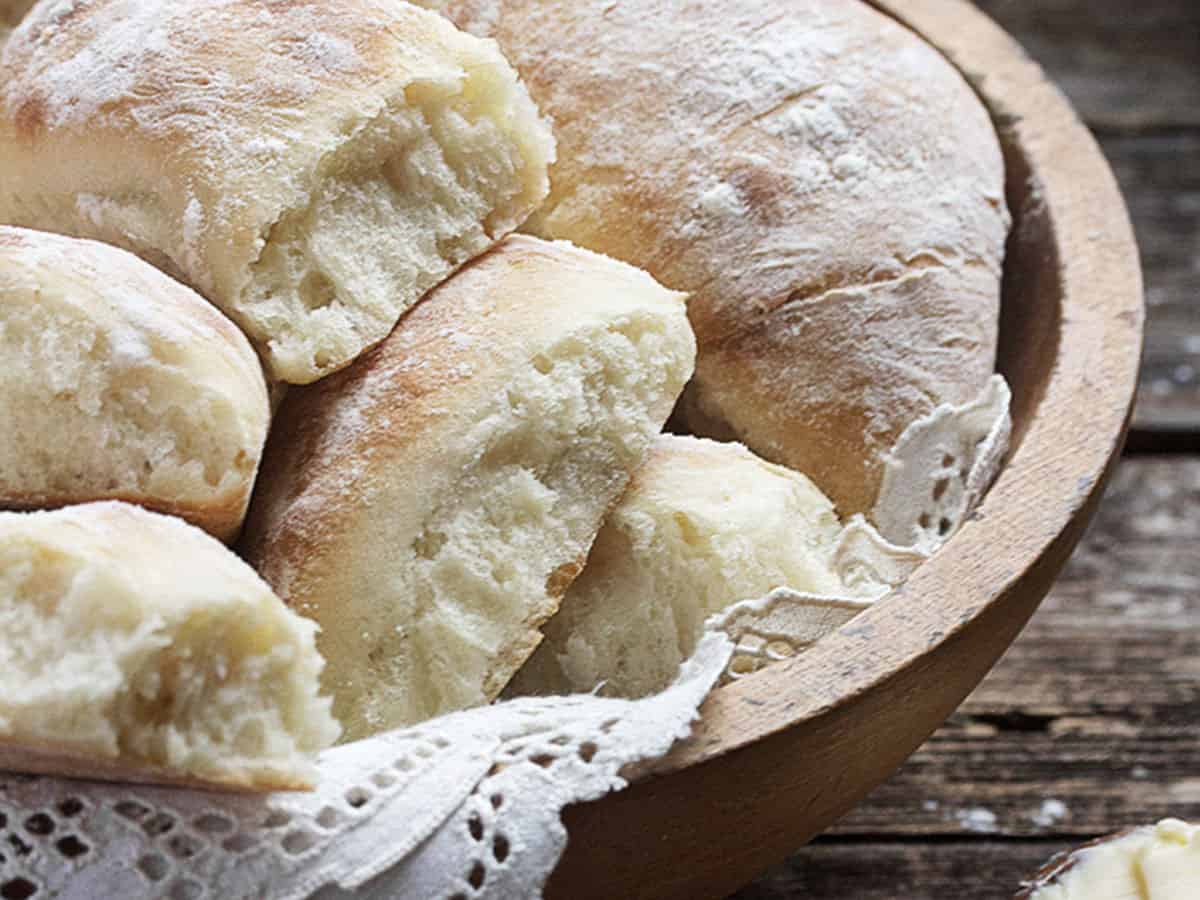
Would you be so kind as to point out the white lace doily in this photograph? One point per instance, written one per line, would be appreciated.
(479, 792)
(468, 806)
(941, 467)
(933, 479)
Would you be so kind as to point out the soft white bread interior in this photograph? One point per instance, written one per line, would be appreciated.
(118, 383)
(136, 647)
(429, 505)
(826, 185)
(1154, 862)
(702, 526)
(311, 168)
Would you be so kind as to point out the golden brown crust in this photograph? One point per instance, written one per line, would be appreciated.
(62, 762)
(254, 152)
(220, 516)
(429, 504)
(103, 348)
(824, 184)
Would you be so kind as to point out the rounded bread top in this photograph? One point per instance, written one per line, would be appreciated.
(233, 104)
(149, 318)
(824, 184)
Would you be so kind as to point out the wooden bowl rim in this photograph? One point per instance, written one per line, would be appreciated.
(1091, 387)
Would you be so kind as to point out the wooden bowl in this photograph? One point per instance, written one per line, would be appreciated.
(783, 753)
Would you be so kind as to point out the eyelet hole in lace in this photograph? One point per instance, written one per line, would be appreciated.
(478, 874)
(72, 847)
(184, 846)
(475, 827)
(70, 807)
(382, 780)
(358, 797)
(587, 751)
(186, 890)
(940, 488)
(238, 843)
(329, 818)
(39, 824)
(153, 866)
(944, 526)
(158, 824)
(129, 809)
(500, 848)
(299, 842)
(211, 823)
(18, 889)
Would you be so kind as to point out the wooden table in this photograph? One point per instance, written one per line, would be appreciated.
(1092, 720)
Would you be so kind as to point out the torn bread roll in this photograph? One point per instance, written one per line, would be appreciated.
(137, 648)
(825, 185)
(429, 505)
(1154, 862)
(702, 526)
(121, 384)
(311, 168)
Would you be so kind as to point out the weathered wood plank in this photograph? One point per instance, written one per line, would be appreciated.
(1126, 66)
(1160, 178)
(904, 871)
(1097, 706)
(1089, 723)
(1132, 70)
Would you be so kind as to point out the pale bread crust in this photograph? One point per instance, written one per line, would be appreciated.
(154, 340)
(702, 525)
(825, 185)
(153, 590)
(205, 136)
(359, 465)
(62, 761)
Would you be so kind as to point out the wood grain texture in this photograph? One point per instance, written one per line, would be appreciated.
(874, 870)
(1160, 178)
(1127, 67)
(1090, 722)
(1132, 71)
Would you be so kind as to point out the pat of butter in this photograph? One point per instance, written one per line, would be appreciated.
(1156, 862)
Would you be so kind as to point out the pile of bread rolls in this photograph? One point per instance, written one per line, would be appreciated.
(259, 278)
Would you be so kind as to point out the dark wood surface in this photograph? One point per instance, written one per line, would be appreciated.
(1092, 720)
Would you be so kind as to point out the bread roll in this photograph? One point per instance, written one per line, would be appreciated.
(429, 505)
(311, 168)
(135, 647)
(1153, 862)
(119, 383)
(702, 526)
(824, 184)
